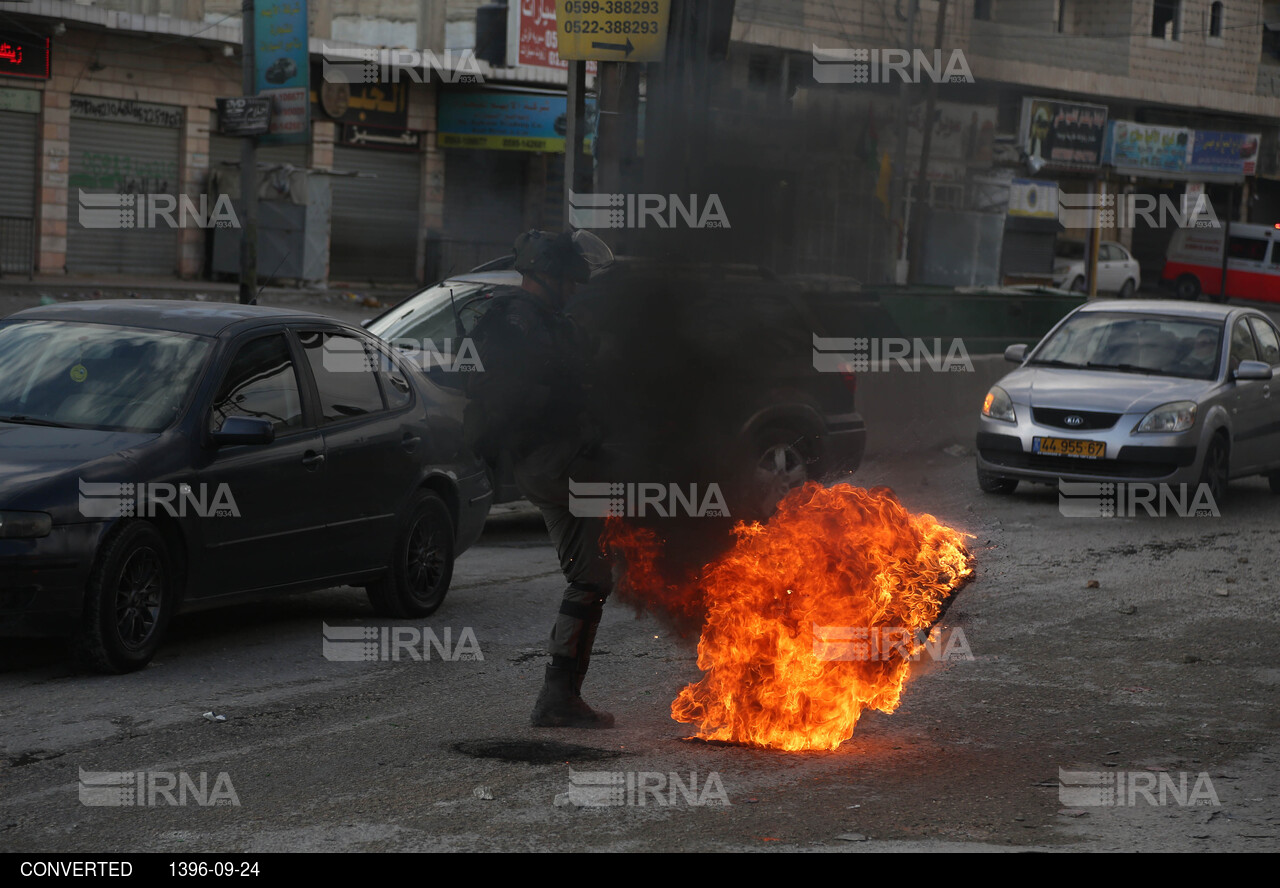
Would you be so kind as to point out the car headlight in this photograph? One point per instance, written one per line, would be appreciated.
(998, 405)
(24, 525)
(1177, 416)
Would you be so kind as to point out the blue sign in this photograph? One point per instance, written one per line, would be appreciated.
(1228, 153)
(281, 70)
(505, 121)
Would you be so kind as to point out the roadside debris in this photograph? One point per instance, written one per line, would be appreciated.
(1092, 584)
(956, 450)
(483, 792)
(214, 717)
(851, 837)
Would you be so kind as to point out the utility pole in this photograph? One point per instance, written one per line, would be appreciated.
(574, 161)
(248, 168)
(898, 185)
(923, 208)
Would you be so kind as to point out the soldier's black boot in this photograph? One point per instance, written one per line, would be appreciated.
(560, 705)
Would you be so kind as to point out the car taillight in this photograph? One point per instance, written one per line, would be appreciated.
(849, 378)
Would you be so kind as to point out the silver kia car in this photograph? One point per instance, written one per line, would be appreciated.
(1157, 392)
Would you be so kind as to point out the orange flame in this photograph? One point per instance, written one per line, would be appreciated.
(810, 619)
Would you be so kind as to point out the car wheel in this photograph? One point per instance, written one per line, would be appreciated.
(995, 484)
(1129, 288)
(1216, 470)
(1078, 285)
(1187, 287)
(781, 461)
(128, 601)
(421, 568)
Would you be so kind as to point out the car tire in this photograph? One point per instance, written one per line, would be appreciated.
(1078, 285)
(417, 580)
(1215, 471)
(1187, 288)
(1129, 288)
(129, 600)
(779, 460)
(990, 483)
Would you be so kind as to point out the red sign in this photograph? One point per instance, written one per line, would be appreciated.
(28, 57)
(532, 38)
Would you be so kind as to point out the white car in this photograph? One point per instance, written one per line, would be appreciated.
(1118, 271)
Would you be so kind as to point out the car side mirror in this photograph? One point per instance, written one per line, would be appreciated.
(1249, 370)
(1016, 354)
(245, 430)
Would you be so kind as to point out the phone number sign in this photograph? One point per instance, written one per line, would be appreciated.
(612, 30)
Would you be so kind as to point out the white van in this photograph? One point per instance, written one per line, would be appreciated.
(1193, 264)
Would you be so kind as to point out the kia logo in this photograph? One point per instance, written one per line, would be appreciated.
(1074, 420)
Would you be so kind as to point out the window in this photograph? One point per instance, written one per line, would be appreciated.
(982, 10)
(261, 382)
(1268, 341)
(1165, 15)
(1247, 248)
(1241, 345)
(1215, 20)
(345, 372)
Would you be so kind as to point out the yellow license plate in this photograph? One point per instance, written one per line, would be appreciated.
(1069, 447)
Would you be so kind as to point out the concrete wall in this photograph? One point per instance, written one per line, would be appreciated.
(925, 411)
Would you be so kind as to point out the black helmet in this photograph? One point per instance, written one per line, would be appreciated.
(570, 255)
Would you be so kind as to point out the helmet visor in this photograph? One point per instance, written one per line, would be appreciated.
(594, 251)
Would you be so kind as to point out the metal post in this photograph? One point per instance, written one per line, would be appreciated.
(1226, 242)
(248, 171)
(1095, 240)
(898, 184)
(920, 218)
(574, 166)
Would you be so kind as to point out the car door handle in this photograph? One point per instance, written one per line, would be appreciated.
(410, 442)
(313, 460)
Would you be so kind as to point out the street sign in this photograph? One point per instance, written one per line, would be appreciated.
(612, 30)
(244, 116)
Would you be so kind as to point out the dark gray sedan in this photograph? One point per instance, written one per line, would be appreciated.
(156, 456)
(1160, 392)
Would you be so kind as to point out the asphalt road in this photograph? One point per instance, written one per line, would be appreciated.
(1166, 667)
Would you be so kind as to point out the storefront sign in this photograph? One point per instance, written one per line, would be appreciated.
(281, 68)
(24, 56)
(1033, 199)
(380, 137)
(1063, 134)
(1142, 146)
(376, 104)
(1225, 153)
(505, 121)
(532, 37)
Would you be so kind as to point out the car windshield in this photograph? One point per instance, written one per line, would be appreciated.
(96, 376)
(1162, 345)
(1069, 250)
(429, 315)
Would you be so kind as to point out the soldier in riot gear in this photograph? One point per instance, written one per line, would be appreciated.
(532, 402)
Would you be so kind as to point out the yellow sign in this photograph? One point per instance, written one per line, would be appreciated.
(612, 30)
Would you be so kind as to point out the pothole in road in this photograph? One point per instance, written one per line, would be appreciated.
(534, 752)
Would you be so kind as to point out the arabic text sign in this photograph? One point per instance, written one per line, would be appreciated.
(1144, 146)
(1225, 153)
(281, 67)
(26, 57)
(505, 121)
(380, 137)
(612, 30)
(532, 38)
(244, 116)
(1064, 134)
